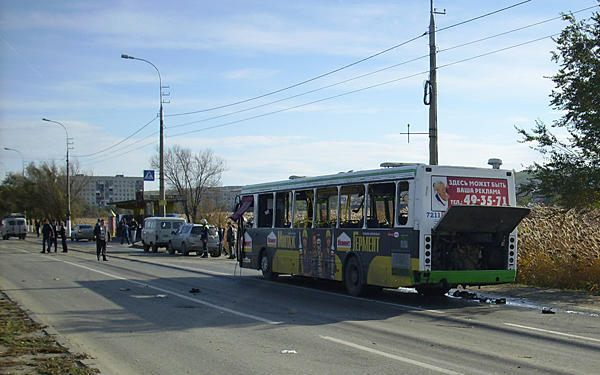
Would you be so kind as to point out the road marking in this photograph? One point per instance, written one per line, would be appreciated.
(198, 301)
(203, 270)
(391, 356)
(553, 332)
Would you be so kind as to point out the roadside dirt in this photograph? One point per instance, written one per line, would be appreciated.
(558, 300)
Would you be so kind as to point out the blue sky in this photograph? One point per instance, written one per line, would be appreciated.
(61, 60)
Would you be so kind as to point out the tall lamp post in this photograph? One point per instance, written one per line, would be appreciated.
(68, 229)
(22, 158)
(161, 177)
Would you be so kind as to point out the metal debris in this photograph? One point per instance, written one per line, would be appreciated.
(289, 351)
(194, 290)
(547, 310)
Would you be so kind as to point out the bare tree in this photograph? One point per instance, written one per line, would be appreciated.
(191, 174)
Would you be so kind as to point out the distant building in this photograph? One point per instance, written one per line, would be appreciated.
(103, 190)
(221, 197)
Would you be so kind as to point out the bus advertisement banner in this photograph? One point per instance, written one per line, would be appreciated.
(450, 191)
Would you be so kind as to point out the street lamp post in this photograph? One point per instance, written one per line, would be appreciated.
(161, 177)
(68, 229)
(22, 158)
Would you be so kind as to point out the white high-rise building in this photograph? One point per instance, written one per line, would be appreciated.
(103, 190)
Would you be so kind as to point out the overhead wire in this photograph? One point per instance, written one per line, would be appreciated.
(120, 142)
(358, 90)
(346, 66)
(305, 81)
(370, 73)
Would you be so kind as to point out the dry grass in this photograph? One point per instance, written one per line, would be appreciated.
(560, 249)
(26, 349)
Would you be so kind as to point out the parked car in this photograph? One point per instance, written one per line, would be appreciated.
(82, 232)
(14, 226)
(158, 231)
(187, 239)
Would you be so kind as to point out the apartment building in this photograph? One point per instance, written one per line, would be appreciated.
(103, 190)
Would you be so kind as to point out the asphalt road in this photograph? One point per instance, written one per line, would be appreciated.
(136, 314)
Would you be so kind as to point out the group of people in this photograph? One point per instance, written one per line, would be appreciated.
(128, 231)
(50, 232)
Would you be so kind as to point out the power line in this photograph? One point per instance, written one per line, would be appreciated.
(101, 159)
(118, 143)
(359, 90)
(345, 66)
(372, 73)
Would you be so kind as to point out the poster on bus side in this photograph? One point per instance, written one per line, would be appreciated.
(450, 191)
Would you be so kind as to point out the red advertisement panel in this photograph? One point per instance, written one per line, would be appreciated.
(466, 191)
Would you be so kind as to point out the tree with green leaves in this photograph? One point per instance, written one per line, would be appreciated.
(570, 173)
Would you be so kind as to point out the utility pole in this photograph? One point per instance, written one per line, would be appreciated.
(432, 90)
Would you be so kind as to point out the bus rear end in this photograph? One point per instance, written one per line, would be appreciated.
(468, 219)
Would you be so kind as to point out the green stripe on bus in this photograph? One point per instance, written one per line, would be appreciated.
(479, 277)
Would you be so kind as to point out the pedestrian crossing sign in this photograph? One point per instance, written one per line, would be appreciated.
(148, 175)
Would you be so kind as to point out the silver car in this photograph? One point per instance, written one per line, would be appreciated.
(82, 232)
(187, 239)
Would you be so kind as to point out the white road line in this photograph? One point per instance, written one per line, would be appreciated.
(553, 332)
(391, 356)
(195, 300)
(408, 307)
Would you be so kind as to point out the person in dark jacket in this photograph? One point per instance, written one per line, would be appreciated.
(63, 237)
(102, 237)
(54, 235)
(204, 237)
(46, 236)
(231, 236)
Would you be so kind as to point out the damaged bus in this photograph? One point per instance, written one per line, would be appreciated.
(410, 225)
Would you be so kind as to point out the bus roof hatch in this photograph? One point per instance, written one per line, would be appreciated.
(480, 219)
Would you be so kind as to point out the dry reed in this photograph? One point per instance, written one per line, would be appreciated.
(560, 249)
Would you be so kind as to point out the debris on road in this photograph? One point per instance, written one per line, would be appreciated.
(194, 290)
(289, 351)
(124, 289)
(547, 310)
(161, 296)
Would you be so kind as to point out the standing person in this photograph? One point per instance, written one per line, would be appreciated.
(37, 228)
(46, 236)
(124, 231)
(54, 235)
(133, 227)
(231, 236)
(220, 233)
(63, 237)
(204, 237)
(96, 236)
(102, 237)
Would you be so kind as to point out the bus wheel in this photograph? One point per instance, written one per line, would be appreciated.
(353, 278)
(146, 247)
(265, 267)
(154, 248)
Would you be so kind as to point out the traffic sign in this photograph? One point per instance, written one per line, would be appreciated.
(148, 175)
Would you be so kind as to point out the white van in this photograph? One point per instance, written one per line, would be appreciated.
(14, 226)
(157, 231)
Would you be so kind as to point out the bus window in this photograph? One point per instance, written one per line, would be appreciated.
(381, 205)
(304, 209)
(283, 210)
(326, 207)
(352, 200)
(265, 210)
(402, 201)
